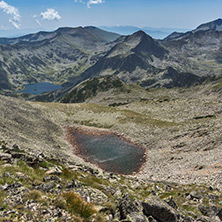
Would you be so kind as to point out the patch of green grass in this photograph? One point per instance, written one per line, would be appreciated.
(131, 116)
(68, 174)
(93, 181)
(2, 197)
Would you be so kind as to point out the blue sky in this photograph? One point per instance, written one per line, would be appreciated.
(18, 15)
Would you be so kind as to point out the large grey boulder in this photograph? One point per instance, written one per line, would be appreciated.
(157, 208)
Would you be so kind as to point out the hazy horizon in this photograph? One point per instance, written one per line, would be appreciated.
(18, 17)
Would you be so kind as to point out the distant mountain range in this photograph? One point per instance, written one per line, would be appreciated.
(71, 55)
(157, 33)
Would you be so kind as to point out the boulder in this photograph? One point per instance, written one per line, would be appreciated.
(172, 203)
(51, 178)
(5, 156)
(151, 219)
(154, 206)
(92, 195)
(47, 186)
(220, 214)
(209, 211)
(137, 217)
(128, 206)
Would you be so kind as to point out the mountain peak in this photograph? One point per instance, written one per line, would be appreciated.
(215, 25)
(139, 34)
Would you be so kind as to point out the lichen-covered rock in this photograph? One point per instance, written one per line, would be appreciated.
(137, 217)
(92, 195)
(153, 206)
(128, 206)
(51, 178)
(47, 186)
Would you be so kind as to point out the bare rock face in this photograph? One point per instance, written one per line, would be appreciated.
(155, 207)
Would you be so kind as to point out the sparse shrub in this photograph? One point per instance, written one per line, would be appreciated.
(34, 195)
(60, 203)
(76, 205)
(68, 174)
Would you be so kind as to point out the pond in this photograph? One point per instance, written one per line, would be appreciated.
(38, 88)
(110, 152)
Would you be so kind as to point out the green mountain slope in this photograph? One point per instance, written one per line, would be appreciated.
(52, 57)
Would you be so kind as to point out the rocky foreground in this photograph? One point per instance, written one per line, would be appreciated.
(37, 188)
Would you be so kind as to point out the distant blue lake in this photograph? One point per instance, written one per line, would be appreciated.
(110, 152)
(38, 88)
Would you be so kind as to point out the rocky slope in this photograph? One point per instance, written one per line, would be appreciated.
(35, 187)
(201, 47)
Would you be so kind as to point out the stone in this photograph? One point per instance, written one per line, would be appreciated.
(5, 156)
(74, 184)
(186, 219)
(3, 187)
(151, 219)
(16, 148)
(195, 195)
(47, 186)
(51, 178)
(209, 211)
(220, 214)
(137, 217)
(92, 195)
(7, 174)
(154, 206)
(172, 203)
(128, 206)
(53, 171)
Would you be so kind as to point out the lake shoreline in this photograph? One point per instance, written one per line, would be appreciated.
(92, 131)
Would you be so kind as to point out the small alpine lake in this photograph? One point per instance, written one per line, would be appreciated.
(110, 152)
(38, 88)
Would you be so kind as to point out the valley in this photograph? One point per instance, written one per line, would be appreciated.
(132, 133)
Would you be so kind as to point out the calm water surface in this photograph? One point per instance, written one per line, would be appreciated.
(41, 87)
(111, 153)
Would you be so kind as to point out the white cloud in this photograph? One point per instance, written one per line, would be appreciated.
(50, 14)
(13, 12)
(94, 2)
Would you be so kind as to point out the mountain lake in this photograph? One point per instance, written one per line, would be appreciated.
(110, 152)
(38, 88)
